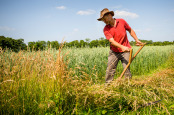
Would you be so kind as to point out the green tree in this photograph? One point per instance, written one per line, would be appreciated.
(157, 43)
(94, 43)
(55, 44)
(74, 43)
(13, 44)
(87, 40)
(82, 43)
(101, 42)
(48, 44)
(31, 45)
(40, 45)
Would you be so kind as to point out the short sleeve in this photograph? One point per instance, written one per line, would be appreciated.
(107, 33)
(126, 25)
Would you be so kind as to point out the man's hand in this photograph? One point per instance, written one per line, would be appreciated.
(125, 49)
(138, 43)
(116, 44)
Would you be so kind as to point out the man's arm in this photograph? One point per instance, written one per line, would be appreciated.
(116, 44)
(132, 33)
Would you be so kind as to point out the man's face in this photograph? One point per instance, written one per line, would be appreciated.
(107, 18)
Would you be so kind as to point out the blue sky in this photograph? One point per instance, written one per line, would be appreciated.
(34, 20)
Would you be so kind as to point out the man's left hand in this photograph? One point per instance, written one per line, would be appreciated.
(139, 43)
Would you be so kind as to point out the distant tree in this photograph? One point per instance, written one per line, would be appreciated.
(132, 43)
(40, 45)
(31, 45)
(166, 43)
(102, 38)
(94, 43)
(71, 44)
(55, 44)
(101, 42)
(18, 44)
(148, 42)
(43, 45)
(107, 43)
(87, 40)
(36, 46)
(3, 42)
(66, 44)
(48, 44)
(21, 45)
(74, 43)
(157, 43)
(82, 43)
(13, 44)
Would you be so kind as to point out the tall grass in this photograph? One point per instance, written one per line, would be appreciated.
(95, 60)
(30, 82)
(56, 82)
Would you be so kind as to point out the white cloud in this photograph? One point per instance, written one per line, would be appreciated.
(61, 7)
(125, 14)
(75, 30)
(87, 12)
(6, 28)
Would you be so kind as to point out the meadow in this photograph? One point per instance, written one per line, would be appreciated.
(71, 81)
(95, 60)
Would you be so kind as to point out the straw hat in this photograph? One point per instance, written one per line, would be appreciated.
(103, 12)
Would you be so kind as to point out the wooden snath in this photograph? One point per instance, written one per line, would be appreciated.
(131, 59)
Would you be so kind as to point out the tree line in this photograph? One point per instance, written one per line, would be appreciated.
(18, 44)
(15, 45)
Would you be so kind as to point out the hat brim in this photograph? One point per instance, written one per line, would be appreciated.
(111, 12)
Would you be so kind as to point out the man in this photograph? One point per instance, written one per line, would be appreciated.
(115, 32)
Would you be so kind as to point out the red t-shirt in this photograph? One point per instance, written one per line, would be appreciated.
(118, 33)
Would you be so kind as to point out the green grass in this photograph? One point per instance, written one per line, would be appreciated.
(94, 60)
(55, 82)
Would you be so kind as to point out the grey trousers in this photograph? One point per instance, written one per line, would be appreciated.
(113, 59)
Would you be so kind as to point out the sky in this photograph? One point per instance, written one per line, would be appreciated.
(69, 20)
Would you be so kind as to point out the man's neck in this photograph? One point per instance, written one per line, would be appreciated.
(113, 22)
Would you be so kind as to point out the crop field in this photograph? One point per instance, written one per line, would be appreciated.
(95, 60)
(71, 81)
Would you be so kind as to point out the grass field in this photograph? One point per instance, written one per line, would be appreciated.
(71, 81)
(94, 61)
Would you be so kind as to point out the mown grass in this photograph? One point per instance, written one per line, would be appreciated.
(53, 82)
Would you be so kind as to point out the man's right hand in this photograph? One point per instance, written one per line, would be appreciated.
(116, 44)
(125, 49)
